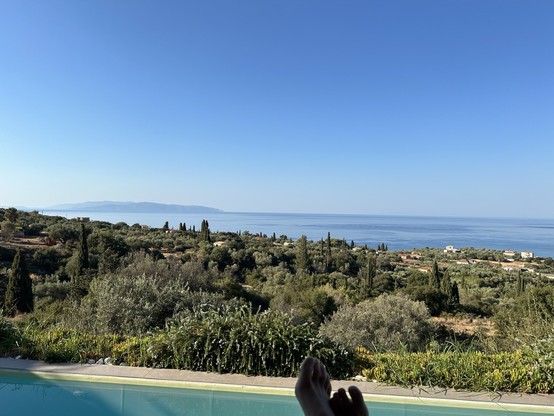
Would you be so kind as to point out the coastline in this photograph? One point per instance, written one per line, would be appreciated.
(398, 232)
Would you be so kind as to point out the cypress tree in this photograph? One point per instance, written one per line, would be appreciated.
(83, 262)
(80, 281)
(446, 283)
(205, 231)
(19, 291)
(302, 260)
(435, 278)
(328, 257)
(382, 247)
(454, 294)
(520, 283)
(371, 270)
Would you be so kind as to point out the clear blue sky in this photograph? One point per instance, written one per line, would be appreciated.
(424, 107)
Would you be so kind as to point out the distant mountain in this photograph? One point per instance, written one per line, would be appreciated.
(142, 207)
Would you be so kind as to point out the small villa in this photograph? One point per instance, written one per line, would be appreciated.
(451, 249)
(411, 256)
(527, 255)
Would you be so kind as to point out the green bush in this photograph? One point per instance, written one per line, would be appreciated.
(304, 303)
(390, 322)
(526, 319)
(230, 339)
(234, 340)
(520, 371)
(134, 351)
(39, 340)
(66, 345)
(10, 339)
(134, 306)
(49, 291)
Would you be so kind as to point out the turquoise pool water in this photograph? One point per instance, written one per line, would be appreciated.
(24, 394)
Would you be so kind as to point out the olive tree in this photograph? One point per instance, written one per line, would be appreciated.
(389, 322)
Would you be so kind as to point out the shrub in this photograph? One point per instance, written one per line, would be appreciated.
(46, 260)
(168, 271)
(36, 338)
(520, 371)
(134, 305)
(390, 322)
(68, 345)
(435, 300)
(10, 338)
(234, 340)
(525, 320)
(304, 303)
(34, 229)
(50, 290)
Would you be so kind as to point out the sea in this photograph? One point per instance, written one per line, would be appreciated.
(397, 232)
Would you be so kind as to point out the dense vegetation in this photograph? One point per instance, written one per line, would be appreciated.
(256, 304)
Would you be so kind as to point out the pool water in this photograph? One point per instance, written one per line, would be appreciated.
(24, 394)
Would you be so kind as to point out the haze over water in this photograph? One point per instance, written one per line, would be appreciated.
(398, 232)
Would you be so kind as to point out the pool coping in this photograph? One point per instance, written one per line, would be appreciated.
(539, 403)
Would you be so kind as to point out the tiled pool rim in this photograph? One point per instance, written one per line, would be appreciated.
(537, 403)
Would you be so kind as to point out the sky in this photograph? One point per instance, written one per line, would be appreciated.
(386, 107)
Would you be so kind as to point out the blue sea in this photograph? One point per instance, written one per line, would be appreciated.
(397, 232)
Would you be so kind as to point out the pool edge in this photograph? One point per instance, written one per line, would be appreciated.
(273, 390)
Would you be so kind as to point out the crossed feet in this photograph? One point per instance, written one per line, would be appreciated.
(313, 391)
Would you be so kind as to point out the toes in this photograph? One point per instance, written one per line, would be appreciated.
(340, 403)
(307, 368)
(321, 373)
(357, 400)
(342, 394)
(305, 378)
(337, 406)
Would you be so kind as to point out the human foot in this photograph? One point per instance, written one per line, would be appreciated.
(313, 388)
(353, 406)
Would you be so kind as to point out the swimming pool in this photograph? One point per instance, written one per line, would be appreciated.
(25, 394)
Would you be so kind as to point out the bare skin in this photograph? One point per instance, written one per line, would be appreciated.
(313, 391)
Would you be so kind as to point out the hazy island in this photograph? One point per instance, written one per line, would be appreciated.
(449, 317)
(139, 207)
